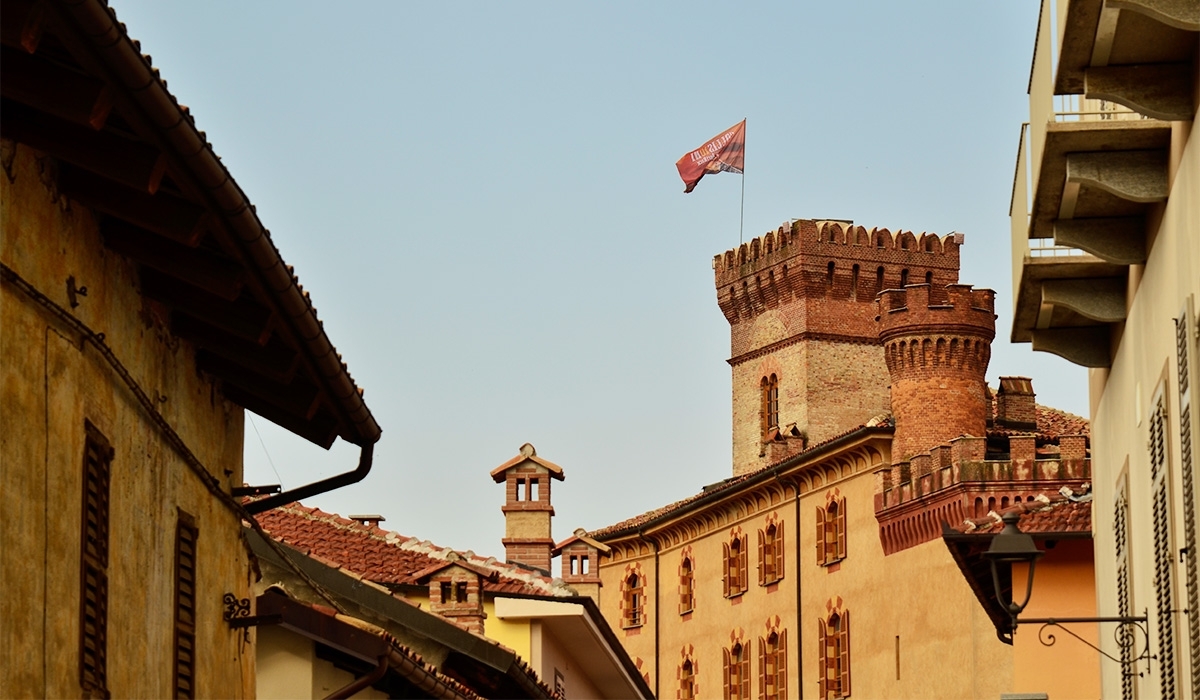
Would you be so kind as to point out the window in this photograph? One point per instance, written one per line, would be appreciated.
(829, 279)
(186, 534)
(833, 642)
(444, 588)
(903, 279)
(687, 592)
(1124, 605)
(460, 591)
(770, 404)
(770, 554)
(772, 666)
(854, 283)
(634, 600)
(1164, 560)
(929, 277)
(735, 566)
(737, 673)
(879, 279)
(93, 599)
(831, 532)
(687, 680)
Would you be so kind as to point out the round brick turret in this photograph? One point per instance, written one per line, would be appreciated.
(937, 343)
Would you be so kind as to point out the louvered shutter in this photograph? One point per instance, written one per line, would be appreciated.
(844, 634)
(728, 569)
(819, 533)
(93, 638)
(743, 566)
(779, 549)
(1184, 331)
(823, 666)
(186, 535)
(781, 666)
(728, 687)
(744, 674)
(841, 529)
(1163, 561)
(762, 667)
(1124, 605)
(762, 558)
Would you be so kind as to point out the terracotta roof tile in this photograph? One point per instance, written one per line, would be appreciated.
(1057, 514)
(385, 557)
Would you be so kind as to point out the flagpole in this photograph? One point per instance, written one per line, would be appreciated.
(742, 214)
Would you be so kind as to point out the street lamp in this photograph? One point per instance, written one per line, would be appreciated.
(1010, 547)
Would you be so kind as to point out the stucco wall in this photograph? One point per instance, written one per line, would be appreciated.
(49, 385)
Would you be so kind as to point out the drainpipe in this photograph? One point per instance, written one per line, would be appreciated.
(317, 487)
(657, 610)
(349, 690)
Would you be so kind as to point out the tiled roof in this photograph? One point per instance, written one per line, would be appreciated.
(387, 557)
(1058, 514)
(730, 484)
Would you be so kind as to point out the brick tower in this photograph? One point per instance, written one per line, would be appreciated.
(937, 342)
(527, 510)
(804, 345)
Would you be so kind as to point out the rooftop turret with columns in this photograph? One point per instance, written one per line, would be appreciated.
(937, 343)
(527, 511)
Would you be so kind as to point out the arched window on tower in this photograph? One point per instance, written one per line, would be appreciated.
(929, 277)
(854, 283)
(879, 279)
(770, 404)
(829, 280)
(903, 279)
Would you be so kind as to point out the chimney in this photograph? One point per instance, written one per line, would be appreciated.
(527, 510)
(1015, 407)
(456, 591)
(581, 563)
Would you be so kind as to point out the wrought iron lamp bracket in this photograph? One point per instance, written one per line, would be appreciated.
(237, 614)
(1125, 634)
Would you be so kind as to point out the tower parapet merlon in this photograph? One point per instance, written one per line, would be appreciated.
(924, 308)
(816, 238)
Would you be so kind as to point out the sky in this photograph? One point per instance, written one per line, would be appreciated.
(482, 200)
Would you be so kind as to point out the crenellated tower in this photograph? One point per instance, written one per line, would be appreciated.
(804, 344)
(937, 343)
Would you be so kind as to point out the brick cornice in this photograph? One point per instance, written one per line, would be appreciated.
(799, 338)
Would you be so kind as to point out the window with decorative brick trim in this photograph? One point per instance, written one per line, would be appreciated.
(736, 566)
(737, 672)
(833, 642)
(635, 596)
(687, 680)
(770, 554)
(770, 404)
(687, 585)
(772, 666)
(186, 534)
(93, 600)
(830, 532)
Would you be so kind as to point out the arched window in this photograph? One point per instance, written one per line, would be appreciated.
(829, 279)
(854, 283)
(687, 586)
(903, 279)
(833, 643)
(879, 279)
(737, 673)
(770, 404)
(831, 532)
(634, 600)
(687, 680)
(770, 554)
(929, 277)
(772, 666)
(735, 566)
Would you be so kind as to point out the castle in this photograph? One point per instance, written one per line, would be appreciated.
(862, 422)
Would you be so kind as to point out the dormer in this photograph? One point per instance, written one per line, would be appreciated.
(456, 591)
(581, 563)
(527, 509)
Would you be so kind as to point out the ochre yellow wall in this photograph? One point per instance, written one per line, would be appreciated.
(49, 384)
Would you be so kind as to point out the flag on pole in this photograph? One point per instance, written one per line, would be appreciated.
(725, 152)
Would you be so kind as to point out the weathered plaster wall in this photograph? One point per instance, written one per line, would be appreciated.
(49, 384)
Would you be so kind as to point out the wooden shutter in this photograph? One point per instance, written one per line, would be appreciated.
(1124, 605)
(762, 667)
(763, 421)
(744, 674)
(762, 558)
(844, 634)
(1163, 560)
(186, 534)
(819, 532)
(779, 548)
(841, 529)
(728, 569)
(823, 666)
(728, 686)
(1184, 331)
(781, 666)
(743, 566)
(93, 637)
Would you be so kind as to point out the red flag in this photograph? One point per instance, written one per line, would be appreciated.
(724, 152)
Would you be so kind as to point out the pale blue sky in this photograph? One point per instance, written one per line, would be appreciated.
(482, 199)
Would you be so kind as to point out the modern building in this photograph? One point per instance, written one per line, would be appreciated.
(862, 424)
(1106, 267)
(143, 307)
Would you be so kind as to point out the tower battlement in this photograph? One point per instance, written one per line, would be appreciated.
(922, 308)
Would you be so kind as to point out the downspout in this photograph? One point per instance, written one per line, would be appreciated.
(657, 600)
(317, 487)
(370, 679)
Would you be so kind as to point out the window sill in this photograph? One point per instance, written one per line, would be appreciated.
(685, 615)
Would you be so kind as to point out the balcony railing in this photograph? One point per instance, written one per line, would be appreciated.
(1045, 248)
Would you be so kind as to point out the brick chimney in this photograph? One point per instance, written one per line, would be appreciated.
(527, 510)
(1015, 406)
(456, 591)
(581, 563)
